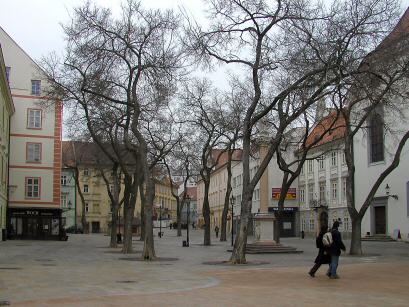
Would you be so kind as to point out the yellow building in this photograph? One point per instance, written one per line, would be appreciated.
(89, 160)
(6, 110)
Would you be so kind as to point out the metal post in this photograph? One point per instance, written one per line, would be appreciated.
(232, 217)
(188, 214)
(160, 219)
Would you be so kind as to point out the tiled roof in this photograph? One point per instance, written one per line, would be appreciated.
(322, 128)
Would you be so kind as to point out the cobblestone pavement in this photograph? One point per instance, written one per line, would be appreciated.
(84, 272)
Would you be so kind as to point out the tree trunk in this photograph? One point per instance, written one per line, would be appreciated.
(277, 228)
(143, 201)
(148, 252)
(114, 225)
(238, 255)
(206, 215)
(127, 214)
(356, 244)
(179, 209)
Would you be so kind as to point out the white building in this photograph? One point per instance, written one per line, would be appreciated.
(35, 149)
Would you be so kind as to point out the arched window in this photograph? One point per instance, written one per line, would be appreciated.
(376, 138)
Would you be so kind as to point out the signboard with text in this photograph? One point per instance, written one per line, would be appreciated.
(291, 194)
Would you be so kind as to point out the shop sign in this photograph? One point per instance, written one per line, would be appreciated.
(291, 194)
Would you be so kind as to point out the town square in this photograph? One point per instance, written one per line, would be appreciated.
(204, 153)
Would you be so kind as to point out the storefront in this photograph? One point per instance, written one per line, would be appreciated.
(34, 224)
(288, 221)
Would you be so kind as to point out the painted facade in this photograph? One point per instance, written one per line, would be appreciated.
(7, 110)
(68, 198)
(35, 149)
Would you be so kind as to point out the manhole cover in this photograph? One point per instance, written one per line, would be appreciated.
(126, 281)
(10, 268)
(4, 303)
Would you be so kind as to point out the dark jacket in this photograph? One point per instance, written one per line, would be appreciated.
(337, 244)
(323, 252)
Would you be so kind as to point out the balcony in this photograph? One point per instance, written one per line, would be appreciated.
(314, 203)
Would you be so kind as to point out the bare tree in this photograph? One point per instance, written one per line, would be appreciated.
(284, 47)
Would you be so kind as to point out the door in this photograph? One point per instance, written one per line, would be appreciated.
(380, 220)
(95, 227)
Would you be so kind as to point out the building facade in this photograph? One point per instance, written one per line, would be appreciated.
(7, 110)
(68, 199)
(35, 150)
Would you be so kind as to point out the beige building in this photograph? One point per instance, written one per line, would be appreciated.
(6, 110)
(35, 149)
(217, 189)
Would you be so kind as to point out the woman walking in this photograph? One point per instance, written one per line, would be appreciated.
(323, 256)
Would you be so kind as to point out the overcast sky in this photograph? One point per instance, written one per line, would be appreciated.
(35, 24)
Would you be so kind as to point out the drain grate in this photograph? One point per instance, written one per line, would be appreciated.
(126, 281)
(11, 268)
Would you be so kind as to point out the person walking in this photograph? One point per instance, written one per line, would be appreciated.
(323, 256)
(216, 229)
(335, 250)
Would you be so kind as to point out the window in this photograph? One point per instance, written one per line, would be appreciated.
(34, 119)
(334, 158)
(302, 169)
(302, 195)
(322, 190)
(334, 190)
(321, 161)
(310, 192)
(344, 188)
(63, 201)
(343, 158)
(376, 138)
(310, 166)
(304, 225)
(85, 188)
(346, 224)
(86, 207)
(63, 179)
(33, 152)
(8, 73)
(35, 87)
(86, 172)
(33, 187)
(312, 225)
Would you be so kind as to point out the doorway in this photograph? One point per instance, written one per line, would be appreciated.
(95, 227)
(380, 220)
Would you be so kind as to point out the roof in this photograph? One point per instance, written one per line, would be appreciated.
(401, 29)
(86, 154)
(192, 192)
(323, 129)
(223, 156)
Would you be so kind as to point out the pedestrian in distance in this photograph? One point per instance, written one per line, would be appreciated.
(216, 229)
(335, 250)
(323, 256)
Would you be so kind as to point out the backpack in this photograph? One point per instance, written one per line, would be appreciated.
(327, 239)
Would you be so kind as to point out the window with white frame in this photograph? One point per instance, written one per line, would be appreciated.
(36, 87)
(321, 163)
(312, 224)
(86, 207)
(86, 172)
(304, 225)
(310, 166)
(34, 118)
(63, 179)
(334, 158)
(346, 224)
(63, 201)
(344, 188)
(343, 158)
(33, 187)
(322, 190)
(86, 188)
(33, 152)
(302, 195)
(334, 190)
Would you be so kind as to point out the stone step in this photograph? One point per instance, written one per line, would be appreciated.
(379, 238)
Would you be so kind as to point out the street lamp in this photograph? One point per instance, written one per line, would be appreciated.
(232, 200)
(388, 190)
(188, 214)
(160, 219)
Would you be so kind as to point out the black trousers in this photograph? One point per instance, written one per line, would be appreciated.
(316, 267)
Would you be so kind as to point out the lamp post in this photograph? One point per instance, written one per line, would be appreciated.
(160, 219)
(232, 204)
(388, 191)
(187, 219)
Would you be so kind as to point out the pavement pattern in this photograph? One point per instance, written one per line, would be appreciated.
(84, 272)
